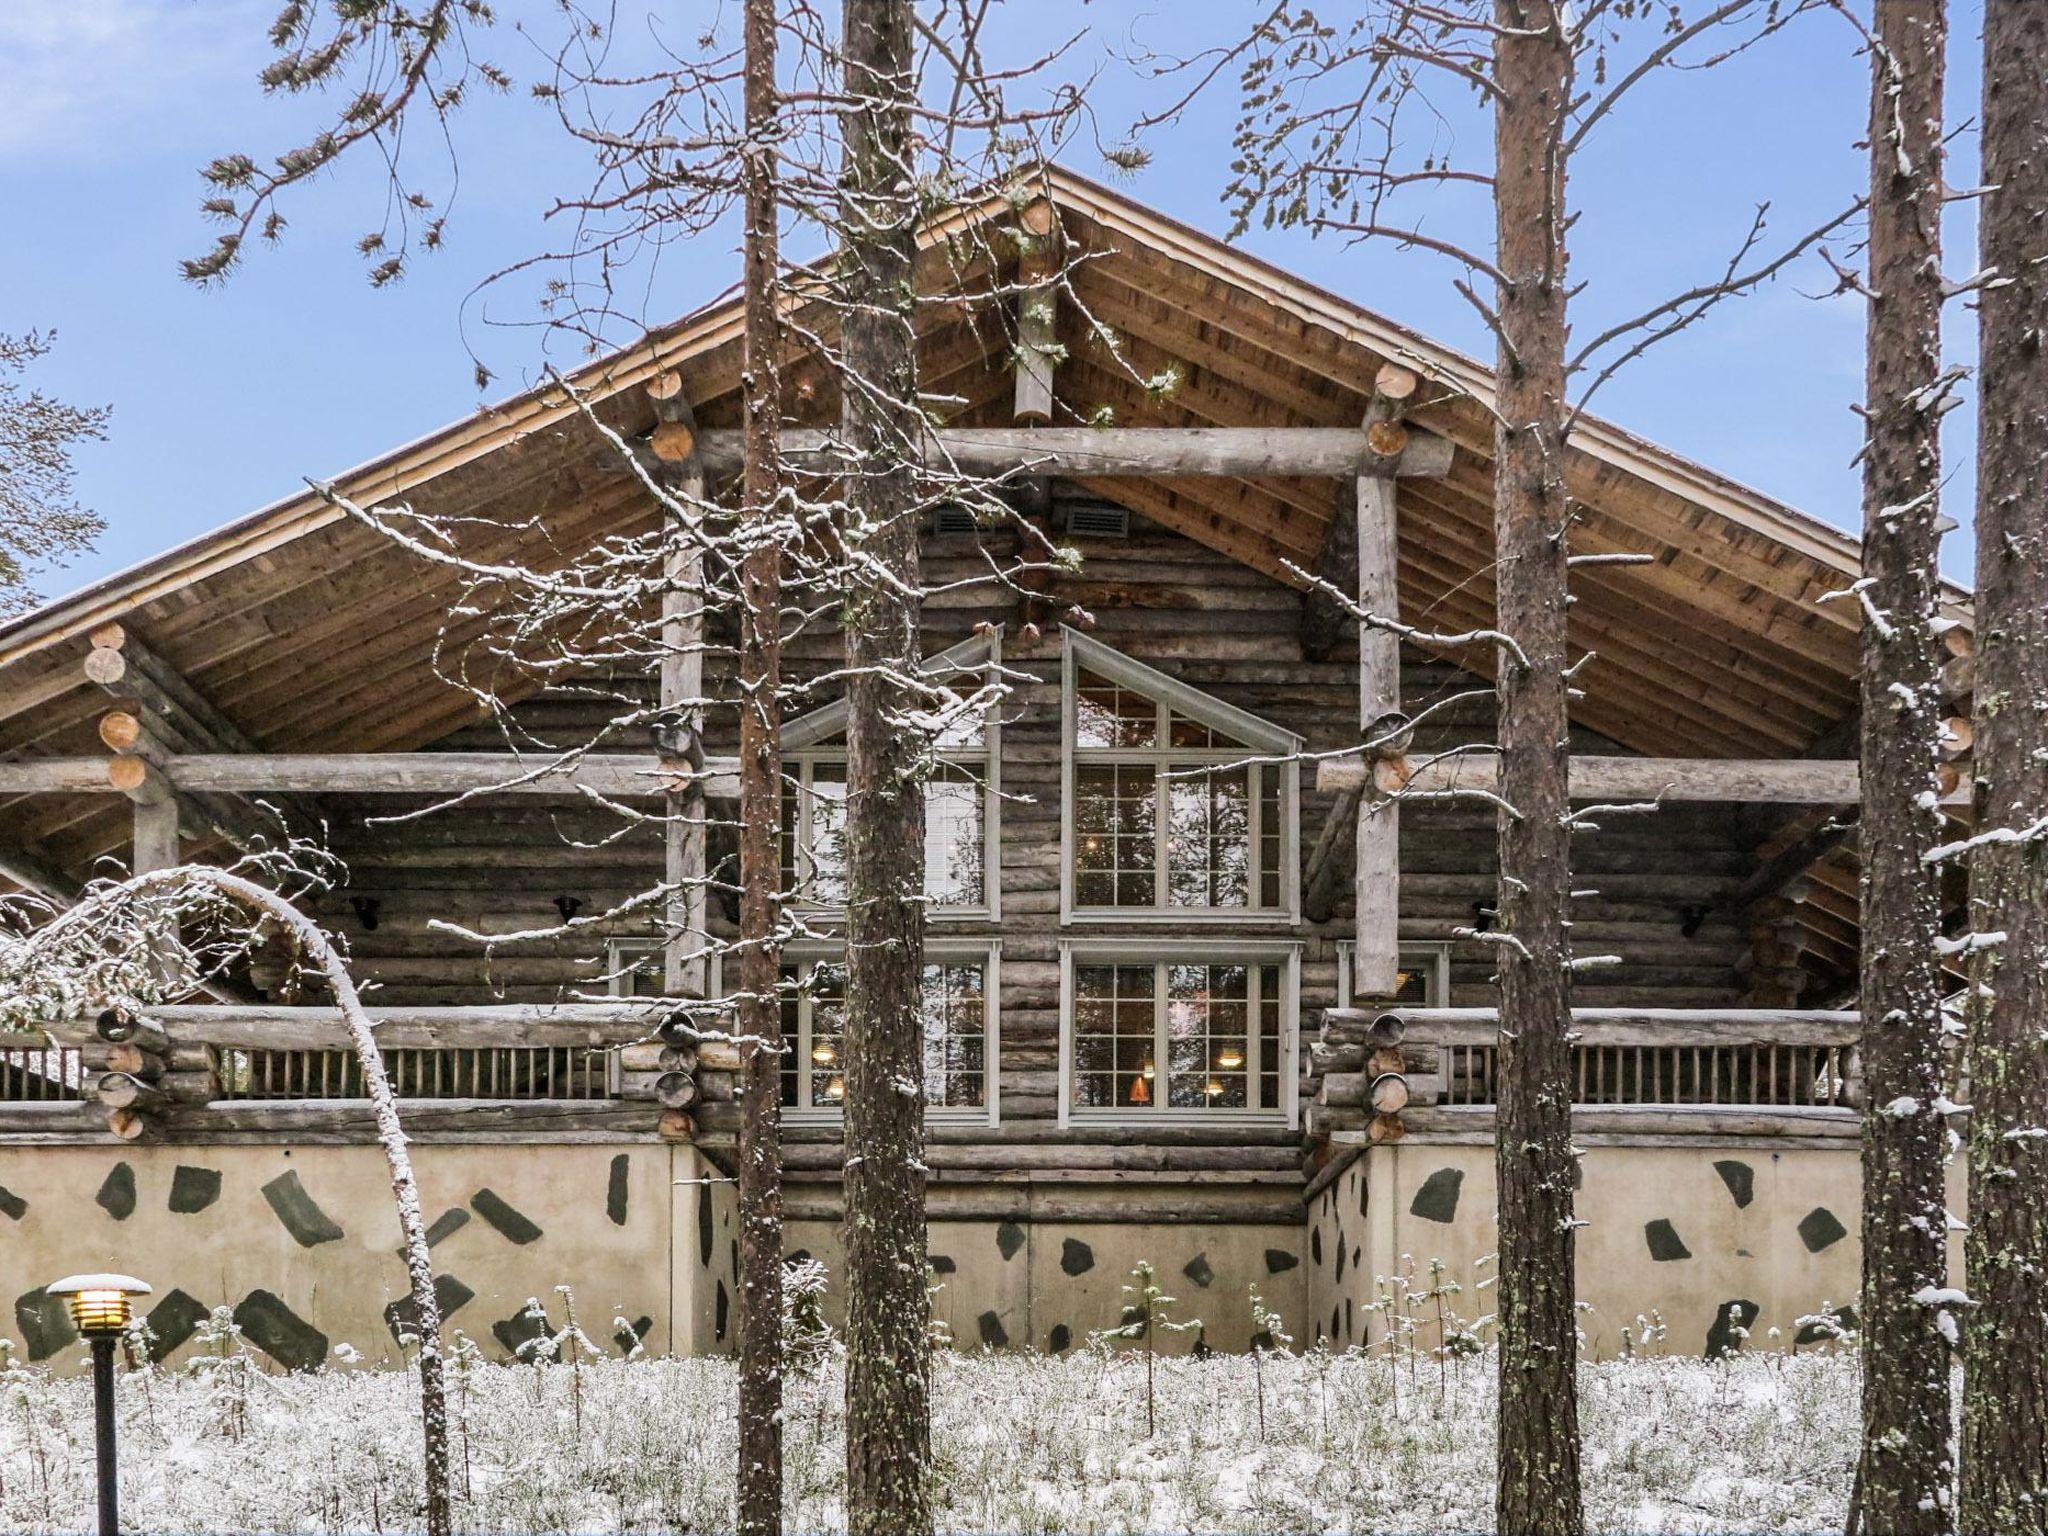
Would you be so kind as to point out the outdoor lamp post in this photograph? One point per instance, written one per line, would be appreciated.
(101, 1306)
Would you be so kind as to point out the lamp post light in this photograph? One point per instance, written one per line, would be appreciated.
(101, 1306)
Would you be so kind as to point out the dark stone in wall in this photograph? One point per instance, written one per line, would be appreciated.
(1335, 1313)
(1730, 1323)
(280, 1332)
(1363, 1192)
(721, 1310)
(403, 1318)
(1060, 1340)
(12, 1206)
(44, 1321)
(1740, 1179)
(1828, 1326)
(1076, 1257)
(1665, 1243)
(993, 1334)
(943, 1264)
(615, 1189)
(193, 1189)
(117, 1192)
(704, 1232)
(1819, 1228)
(513, 1224)
(1197, 1269)
(1437, 1199)
(1315, 1244)
(447, 1224)
(1200, 1348)
(172, 1321)
(1340, 1254)
(301, 1217)
(628, 1338)
(1279, 1261)
(1009, 1238)
(520, 1332)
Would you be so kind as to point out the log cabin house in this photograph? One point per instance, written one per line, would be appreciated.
(1234, 1023)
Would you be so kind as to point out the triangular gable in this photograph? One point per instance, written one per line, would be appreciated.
(1256, 735)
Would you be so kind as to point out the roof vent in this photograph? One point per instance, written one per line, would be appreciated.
(952, 518)
(1098, 520)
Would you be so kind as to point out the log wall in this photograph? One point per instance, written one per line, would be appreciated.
(1213, 623)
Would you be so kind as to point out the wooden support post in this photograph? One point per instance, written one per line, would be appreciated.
(684, 970)
(1376, 871)
(1037, 316)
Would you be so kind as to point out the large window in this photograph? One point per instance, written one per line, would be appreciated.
(1179, 1030)
(1181, 805)
(960, 982)
(960, 842)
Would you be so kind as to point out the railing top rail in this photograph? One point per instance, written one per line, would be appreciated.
(1611, 1026)
(421, 1028)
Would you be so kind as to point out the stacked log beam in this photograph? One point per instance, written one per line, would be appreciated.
(145, 1073)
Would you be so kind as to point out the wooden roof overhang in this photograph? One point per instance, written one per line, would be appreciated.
(315, 634)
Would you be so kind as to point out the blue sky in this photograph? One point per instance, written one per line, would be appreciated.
(225, 399)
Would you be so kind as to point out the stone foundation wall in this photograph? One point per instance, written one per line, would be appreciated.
(1684, 1250)
(302, 1243)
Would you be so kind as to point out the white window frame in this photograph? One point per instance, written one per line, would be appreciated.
(1434, 957)
(1141, 950)
(989, 951)
(808, 741)
(1261, 740)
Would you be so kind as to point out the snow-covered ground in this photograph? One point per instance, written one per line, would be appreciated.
(1024, 1444)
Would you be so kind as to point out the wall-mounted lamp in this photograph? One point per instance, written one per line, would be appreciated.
(367, 909)
(568, 906)
(101, 1307)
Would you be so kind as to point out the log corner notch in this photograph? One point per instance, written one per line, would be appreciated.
(1368, 1075)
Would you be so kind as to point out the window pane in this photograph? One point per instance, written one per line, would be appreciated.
(1114, 847)
(826, 1047)
(955, 1039)
(953, 845)
(1208, 841)
(1270, 1053)
(1107, 715)
(1206, 1022)
(1267, 777)
(1113, 1037)
(818, 874)
(793, 1043)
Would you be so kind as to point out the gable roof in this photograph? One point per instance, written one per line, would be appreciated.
(313, 633)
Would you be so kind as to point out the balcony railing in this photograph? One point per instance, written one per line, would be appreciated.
(1387, 1072)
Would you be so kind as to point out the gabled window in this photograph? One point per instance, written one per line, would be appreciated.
(1178, 1030)
(960, 1015)
(961, 798)
(1179, 805)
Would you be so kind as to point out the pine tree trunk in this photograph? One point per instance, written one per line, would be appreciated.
(888, 1428)
(759, 1013)
(1904, 1476)
(2005, 1382)
(1538, 1488)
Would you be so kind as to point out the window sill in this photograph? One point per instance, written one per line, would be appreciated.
(946, 1116)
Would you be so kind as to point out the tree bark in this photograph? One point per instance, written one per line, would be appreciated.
(758, 1015)
(2005, 1383)
(1905, 1470)
(1538, 1490)
(888, 1417)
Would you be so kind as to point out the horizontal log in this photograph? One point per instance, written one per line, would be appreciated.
(1618, 1026)
(1801, 1121)
(1786, 781)
(615, 775)
(311, 1028)
(1323, 452)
